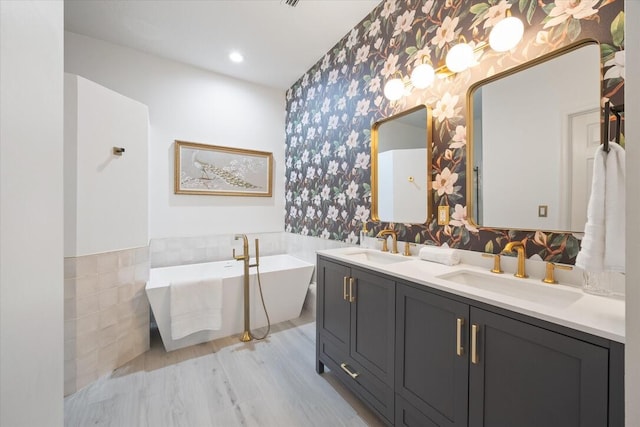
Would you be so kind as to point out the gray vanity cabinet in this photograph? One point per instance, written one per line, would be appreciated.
(432, 363)
(460, 362)
(528, 376)
(355, 331)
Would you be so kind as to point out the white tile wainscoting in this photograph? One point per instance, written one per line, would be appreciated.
(190, 250)
(106, 314)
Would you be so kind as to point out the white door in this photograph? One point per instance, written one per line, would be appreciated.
(584, 134)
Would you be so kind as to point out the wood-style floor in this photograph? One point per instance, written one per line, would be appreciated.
(222, 383)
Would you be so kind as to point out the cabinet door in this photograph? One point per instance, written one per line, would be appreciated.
(372, 324)
(430, 374)
(528, 376)
(333, 314)
(408, 416)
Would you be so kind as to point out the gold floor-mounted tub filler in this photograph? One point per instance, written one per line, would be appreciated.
(246, 259)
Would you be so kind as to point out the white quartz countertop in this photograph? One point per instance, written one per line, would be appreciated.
(562, 304)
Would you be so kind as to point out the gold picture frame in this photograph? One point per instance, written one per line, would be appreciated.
(222, 171)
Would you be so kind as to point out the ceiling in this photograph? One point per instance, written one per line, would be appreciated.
(279, 42)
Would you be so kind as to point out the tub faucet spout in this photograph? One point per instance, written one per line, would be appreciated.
(245, 248)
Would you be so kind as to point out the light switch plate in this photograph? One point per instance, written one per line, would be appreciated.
(542, 211)
(443, 215)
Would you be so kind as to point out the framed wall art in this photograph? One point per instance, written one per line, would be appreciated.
(222, 171)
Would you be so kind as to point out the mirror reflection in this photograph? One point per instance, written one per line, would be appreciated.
(532, 135)
(400, 160)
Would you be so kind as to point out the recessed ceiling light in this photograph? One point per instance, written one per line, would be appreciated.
(236, 57)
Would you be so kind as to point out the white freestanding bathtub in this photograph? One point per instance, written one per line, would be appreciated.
(285, 281)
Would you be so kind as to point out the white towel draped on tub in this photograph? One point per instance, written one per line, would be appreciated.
(196, 305)
(602, 247)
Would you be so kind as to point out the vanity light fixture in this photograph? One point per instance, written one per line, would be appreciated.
(460, 57)
(394, 89)
(506, 34)
(421, 77)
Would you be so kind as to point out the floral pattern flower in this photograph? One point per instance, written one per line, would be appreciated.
(496, 13)
(565, 9)
(443, 184)
(617, 66)
(446, 32)
(330, 110)
(459, 218)
(459, 138)
(390, 66)
(388, 8)
(445, 107)
(404, 21)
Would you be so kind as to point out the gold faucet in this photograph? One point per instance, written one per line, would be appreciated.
(519, 247)
(394, 241)
(246, 259)
(407, 248)
(496, 263)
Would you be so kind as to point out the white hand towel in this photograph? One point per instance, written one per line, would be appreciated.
(602, 247)
(614, 202)
(195, 305)
(440, 255)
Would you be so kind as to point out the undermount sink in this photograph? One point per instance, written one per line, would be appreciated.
(524, 289)
(376, 257)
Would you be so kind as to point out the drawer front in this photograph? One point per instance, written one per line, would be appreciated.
(408, 416)
(369, 388)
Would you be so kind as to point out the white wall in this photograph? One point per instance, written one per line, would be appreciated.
(191, 104)
(632, 129)
(31, 213)
(105, 194)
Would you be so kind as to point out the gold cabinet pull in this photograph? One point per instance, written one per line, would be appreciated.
(345, 296)
(346, 367)
(459, 347)
(474, 344)
(352, 298)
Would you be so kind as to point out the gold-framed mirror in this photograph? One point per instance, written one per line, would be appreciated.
(532, 132)
(401, 167)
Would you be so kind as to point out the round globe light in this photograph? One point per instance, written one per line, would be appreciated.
(459, 58)
(506, 34)
(422, 76)
(394, 89)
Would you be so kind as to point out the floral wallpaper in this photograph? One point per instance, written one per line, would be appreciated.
(331, 108)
